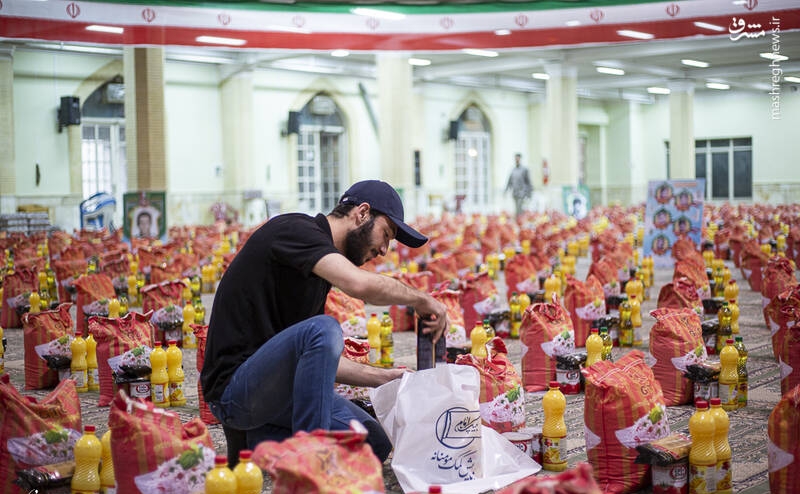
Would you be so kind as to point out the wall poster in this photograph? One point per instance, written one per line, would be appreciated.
(674, 209)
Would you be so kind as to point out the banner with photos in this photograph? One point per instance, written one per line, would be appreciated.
(674, 209)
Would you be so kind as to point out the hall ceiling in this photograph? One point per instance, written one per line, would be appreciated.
(738, 63)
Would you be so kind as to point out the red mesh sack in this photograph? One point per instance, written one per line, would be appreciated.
(115, 337)
(115, 264)
(585, 302)
(518, 269)
(150, 256)
(20, 282)
(57, 241)
(90, 287)
(676, 341)
(36, 432)
(475, 287)
(680, 293)
(778, 277)
(160, 295)
(502, 401)
(444, 268)
(607, 273)
(342, 306)
(160, 273)
(403, 316)
(696, 272)
(67, 271)
(153, 451)
(201, 333)
(546, 332)
(624, 408)
(783, 448)
(577, 480)
(39, 329)
(321, 462)
(783, 311)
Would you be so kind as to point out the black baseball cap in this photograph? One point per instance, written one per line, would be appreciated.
(384, 199)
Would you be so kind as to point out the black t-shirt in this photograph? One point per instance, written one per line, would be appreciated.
(268, 287)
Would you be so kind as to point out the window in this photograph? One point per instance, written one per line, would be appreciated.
(103, 158)
(726, 165)
(472, 160)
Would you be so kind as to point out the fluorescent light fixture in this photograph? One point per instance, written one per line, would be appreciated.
(541, 76)
(77, 48)
(573, 23)
(610, 70)
(658, 90)
(216, 40)
(502, 32)
(340, 53)
(288, 29)
(739, 2)
(105, 29)
(181, 57)
(791, 78)
(694, 63)
(479, 53)
(419, 62)
(635, 34)
(378, 14)
(709, 26)
(717, 85)
(773, 56)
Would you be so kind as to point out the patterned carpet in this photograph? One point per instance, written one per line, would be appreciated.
(748, 436)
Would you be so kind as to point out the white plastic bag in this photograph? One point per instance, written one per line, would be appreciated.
(433, 420)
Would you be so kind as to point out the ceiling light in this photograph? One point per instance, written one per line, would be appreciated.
(635, 34)
(694, 63)
(573, 23)
(541, 76)
(502, 32)
(105, 29)
(610, 70)
(216, 40)
(378, 14)
(288, 29)
(739, 2)
(717, 85)
(76, 48)
(479, 53)
(419, 62)
(179, 57)
(658, 90)
(791, 78)
(773, 56)
(711, 27)
(340, 53)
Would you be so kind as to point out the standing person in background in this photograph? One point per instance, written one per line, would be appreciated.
(520, 184)
(272, 356)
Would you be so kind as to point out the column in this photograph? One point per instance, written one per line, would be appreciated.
(144, 119)
(681, 129)
(394, 124)
(8, 175)
(237, 133)
(561, 125)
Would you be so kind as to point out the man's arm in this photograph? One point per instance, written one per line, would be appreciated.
(356, 374)
(378, 289)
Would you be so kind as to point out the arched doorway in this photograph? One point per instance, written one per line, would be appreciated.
(473, 180)
(321, 155)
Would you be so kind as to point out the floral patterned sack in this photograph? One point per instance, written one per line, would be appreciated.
(502, 401)
(577, 480)
(115, 337)
(585, 302)
(39, 329)
(357, 351)
(153, 452)
(342, 306)
(783, 447)
(20, 282)
(36, 432)
(676, 341)
(322, 462)
(157, 296)
(90, 288)
(624, 407)
(201, 333)
(546, 332)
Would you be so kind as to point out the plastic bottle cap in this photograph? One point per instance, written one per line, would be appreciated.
(374, 315)
(715, 401)
(729, 341)
(554, 384)
(701, 404)
(245, 454)
(172, 342)
(157, 344)
(220, 460)
(593, 330)
(738, 338)
(89, 428)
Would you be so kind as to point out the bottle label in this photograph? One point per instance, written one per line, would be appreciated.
(742, 394)
(373, 355)
(723, 475)
(158, 393)
(174, 334)
(140, 389)
(80, 378)
(554, 452)
(176, 392)
(569, 380)
(727, 395)
(93, 378)
(189, 340)
(626, 337)
(110, 490)
(702, 479)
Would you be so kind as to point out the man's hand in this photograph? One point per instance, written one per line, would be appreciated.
(433, 317)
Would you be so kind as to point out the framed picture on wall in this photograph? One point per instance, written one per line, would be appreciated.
(144, 215)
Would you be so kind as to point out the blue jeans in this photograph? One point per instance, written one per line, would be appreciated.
(287, 385)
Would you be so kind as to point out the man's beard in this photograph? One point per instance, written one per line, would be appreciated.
(357, 242)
